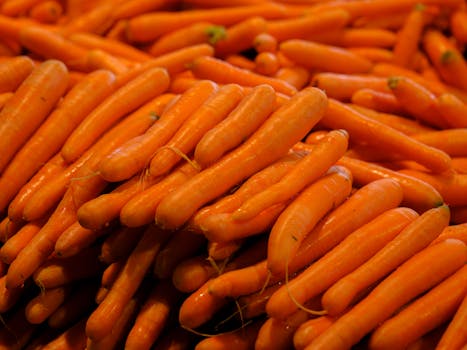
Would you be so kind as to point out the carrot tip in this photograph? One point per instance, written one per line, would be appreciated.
(392, 82)
(215, 33)
(447, 56)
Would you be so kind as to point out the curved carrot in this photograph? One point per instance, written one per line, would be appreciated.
(324, 272)
(130, 158)
(223, 72)
(30, 105)
(342, 86)
(394, 291)
(272, 140)
(13, 71)
(124, 100)
(48, 138)
(211, 112)
(452, 110)
(313, 55)
(102, 319)
(340, 116)
(412, 239)
(411, 322)
(305, 172)
(247, 116)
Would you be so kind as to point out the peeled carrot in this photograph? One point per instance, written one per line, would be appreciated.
(30, 105)
(270, 142)
(394, 291)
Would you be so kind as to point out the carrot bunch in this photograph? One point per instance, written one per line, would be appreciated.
(179, 174)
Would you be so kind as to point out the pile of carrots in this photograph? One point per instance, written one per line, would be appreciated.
(238, 174)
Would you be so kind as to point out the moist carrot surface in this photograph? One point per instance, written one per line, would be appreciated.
(248, 174)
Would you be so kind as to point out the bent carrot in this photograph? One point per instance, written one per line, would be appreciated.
(397, 332)
(394, 291)
(30, 105)
(320, 275)
(412, 239)
(305, 172)
(272, 140)
(247, 116)
(223, 72)
(124, 100)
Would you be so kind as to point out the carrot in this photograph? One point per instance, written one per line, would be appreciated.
(13, 71)
(242, 339)
(47, 11)
(448, 295)
(295, 76)
(340, 222)
(124, 100)
(153, 316)
(265, 42)
(452, 110)
(458, 26)
(177, 338)
(181, 245)
(141, 208)
(18, 333)
(102, 319)
(239, 36)
(446, 58)
(73, 337)
(310, 329)
(253, 305)
(313, 55)
(133, 8)
(394, 291)
(340, 116)
(237, 126)
(49, 138)
(223, 72)
(342, 86)
(211, 112)
(412, 239)
(416, 100)
(222, 3)
(319, 276)
(15, 8)
(133, 156)
(119, 244)
(417, 194)
(49, 170)
(76, 305)
(57, 272)
(193, 34)
(32, 102)
(174, 62)
(9, 297)
(308, 170)
(11, 248)
(452, 231)
(377, 100)
(269, 143)
(451, 186)
(99, 59)
(39, 308)
(192, 273)
(278, 334)
(285, 237)
(97, 20)
(374, 54)
(454, 335)
(267, 63)
(142, 28)
(306, 26)
(4, 97)
(240, 61)
(363, 37)
(452, 141)
(9, 228)
(223, 250)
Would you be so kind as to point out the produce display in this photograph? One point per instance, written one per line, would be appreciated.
(233, 174)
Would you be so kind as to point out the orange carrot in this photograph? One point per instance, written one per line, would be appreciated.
(102, 319)
(143, 29)
(9, 228)
(307, 170)
(48, 139)
(72, 338)
(18, 333)
(124, 100)
(374, 54)
(334, 265)
(219, 251)
(310, 329)
(11, 248)
(97, 20)
(295, 76)
(4, 97)
(340, 116)
(452, 141)
(223, 72)
(15, 8)
(452, 231)
(30, 105)
(241, 61)
(377, 100)
(119, 244)
(266, 63)
(13, 72)
(153, 316)
(394, 291)
(46, 11)
(39, 308)
(141, 208)
(447, 295)
(330, 58)
(360, 37)
(265, 42)
(458, 26)
(412, 239)
(9, 297)
(343, 86)
(99, 59)
(269, 143)
(133, 8)
(192, 273)
(236, 127)
(454, 336)
(211, 112)
(452, 110)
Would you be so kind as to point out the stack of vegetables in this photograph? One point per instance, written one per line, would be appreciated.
(241, 174)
